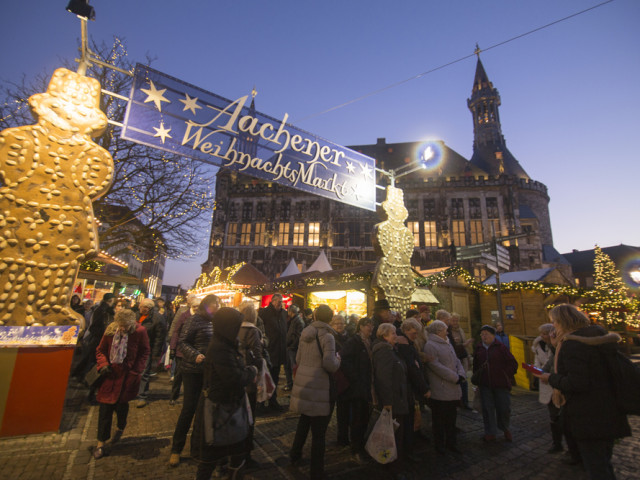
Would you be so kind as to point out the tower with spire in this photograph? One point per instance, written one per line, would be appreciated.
(490, 151)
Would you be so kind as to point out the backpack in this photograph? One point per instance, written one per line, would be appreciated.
(625, 380)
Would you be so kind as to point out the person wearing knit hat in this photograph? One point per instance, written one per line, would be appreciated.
(495, 366)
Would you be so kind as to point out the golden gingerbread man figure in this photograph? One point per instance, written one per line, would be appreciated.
(394, 241)
(49, 174)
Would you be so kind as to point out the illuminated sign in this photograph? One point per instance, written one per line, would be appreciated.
(166, 113)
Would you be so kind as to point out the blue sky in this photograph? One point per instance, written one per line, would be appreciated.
(570, 103)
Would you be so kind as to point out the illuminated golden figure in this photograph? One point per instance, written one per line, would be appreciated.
(50, 172)
(394, 241)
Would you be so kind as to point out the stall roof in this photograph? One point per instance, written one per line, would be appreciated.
(249, 275)
(321, 264)
(292, 269)
(422, 295)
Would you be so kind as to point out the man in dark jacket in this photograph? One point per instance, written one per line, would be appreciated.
(157, 331)
(275, 326)
(295, 325)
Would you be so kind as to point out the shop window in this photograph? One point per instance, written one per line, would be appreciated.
(430, 237)
(314, 234)
(298, 234)
(232, 233)
(245, 234)
(283, 234)
(260, 234)
(414, 228)
(457, 233)
(475, 231)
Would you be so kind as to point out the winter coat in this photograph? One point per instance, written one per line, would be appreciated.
(356, 365)
(444, 371)
(311, 385)
(251, 348)
(121, 384)
(194, 340)
(390, 378)
(583, 378)
(543, 352)
(176, 329)
(500, 367)
(225, 378)
(275, 327)
(418, 385)
(296, 325)
(101, 318)
(157, 331)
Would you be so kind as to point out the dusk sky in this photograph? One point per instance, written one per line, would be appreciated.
(570, 93)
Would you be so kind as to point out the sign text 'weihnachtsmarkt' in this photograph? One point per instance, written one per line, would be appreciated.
(169, 114)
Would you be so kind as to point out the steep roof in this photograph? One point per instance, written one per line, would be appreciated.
(321, 264)
(582, 261)
(292, 269)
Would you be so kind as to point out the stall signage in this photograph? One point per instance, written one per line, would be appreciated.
(169, 114)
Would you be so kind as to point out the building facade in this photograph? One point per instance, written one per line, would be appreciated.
(453, 202)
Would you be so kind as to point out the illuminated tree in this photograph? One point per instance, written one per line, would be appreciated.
(610, 301)
(168, 198)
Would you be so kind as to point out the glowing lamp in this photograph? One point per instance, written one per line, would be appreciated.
(82, 9)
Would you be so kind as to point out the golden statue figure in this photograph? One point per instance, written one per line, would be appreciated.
(49, 174)
(394, 242)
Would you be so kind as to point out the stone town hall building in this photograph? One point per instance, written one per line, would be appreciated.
(459, 202)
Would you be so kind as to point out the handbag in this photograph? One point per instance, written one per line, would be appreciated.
(95, 377)
(225, 423)
(381, 444)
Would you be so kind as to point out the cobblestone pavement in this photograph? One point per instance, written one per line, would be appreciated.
(143, 452)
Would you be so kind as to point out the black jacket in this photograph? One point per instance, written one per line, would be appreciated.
(356, 365)
(294, 330)
(583, 378)
(390, 376)
(417, 381)
(157, 331)
(194, 340)
(275, 327)
(101, 317)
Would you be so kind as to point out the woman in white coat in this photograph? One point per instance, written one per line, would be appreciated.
(445, 374)
(544, 354)
(311, 394)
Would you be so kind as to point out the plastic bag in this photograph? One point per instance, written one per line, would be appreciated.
(381, 444)
(264, 385)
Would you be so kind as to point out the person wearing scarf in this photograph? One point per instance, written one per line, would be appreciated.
(582, 388)
(121, 357)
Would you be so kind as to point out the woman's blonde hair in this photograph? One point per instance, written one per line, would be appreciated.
(248, 311)
(125, 318)
(385, 329)
(569, 317)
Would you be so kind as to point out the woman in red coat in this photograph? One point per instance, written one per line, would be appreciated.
(121, 358)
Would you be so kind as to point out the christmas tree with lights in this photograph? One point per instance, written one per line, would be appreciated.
(611, 303)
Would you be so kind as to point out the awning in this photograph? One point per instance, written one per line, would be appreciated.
(422, 295)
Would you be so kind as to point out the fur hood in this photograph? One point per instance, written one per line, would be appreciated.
(594, 335)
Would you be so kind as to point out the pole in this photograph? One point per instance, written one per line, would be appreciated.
(494, 249)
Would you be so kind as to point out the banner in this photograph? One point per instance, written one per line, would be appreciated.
(166, 113)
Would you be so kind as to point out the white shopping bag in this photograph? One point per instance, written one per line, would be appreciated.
(381, 444)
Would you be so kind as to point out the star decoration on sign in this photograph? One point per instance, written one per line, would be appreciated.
(154, 95)
(366, 171)
(162, 132)
(190, 103)
(350, 167)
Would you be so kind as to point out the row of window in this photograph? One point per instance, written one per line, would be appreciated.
(312, 209)
(345, 234)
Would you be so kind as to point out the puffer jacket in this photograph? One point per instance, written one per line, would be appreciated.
(310, 394)
(390, 378)
(583, 378)
(444, 371)
(500, 367)
(194, 340)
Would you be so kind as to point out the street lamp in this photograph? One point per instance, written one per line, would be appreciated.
(82, 9)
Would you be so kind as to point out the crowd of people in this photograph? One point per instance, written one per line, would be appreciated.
(358, 367)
